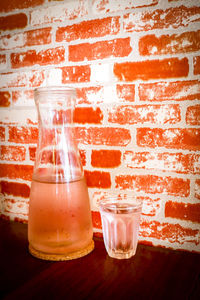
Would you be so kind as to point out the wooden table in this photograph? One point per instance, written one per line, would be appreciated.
(154, 273)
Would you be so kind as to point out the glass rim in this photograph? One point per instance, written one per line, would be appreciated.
(55, 90)
(133, 201)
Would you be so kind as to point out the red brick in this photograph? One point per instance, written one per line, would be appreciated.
(12, 22)
(164, 91)
(88, 29)
(100, 50)
(76, 74)
(44, 57)
(126, 92)
(173, 17)
(96, 219)
(62, 116)
(3, 62)
(148, 243)
(103, 136)
(183, 211)
(15, 207)
(151, 69)
(15, 189)
(39, 36)
(18, 116)
(193, 115)
(96, 179)
(150, 207)
(108, 6)
(88, 115)
(20, 219)
(83, 157)
(175, 138)
(24, 97)
(174, 233)
(5, 99)
(4, 217)
(2, 134)
(167, 162)
(25, 135)
(36, 78)
(13, 153)
(57, 157)
(6, 6)
(32, 152)
(70, 10)
(14, 171)
(96, 234)
(22, 79)
(89, 95)
(106, 158)
(197, 189)
(196, 65)
(155, 114)
(169, 44)
(154, 184)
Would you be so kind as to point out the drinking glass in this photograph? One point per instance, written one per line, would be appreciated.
(120, 224)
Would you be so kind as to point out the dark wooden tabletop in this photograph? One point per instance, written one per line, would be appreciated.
(153, 273)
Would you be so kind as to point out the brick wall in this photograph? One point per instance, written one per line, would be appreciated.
(136, 66)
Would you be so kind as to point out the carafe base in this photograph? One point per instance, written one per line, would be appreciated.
(61, 257)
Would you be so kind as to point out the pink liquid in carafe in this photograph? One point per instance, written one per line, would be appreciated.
(59, 216)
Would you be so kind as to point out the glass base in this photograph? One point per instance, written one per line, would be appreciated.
(121, 254)
(61, 257)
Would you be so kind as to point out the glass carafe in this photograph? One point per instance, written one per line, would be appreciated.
(60, 225)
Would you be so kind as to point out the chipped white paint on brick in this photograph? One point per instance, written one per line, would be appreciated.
(8, 156)
(23, 98)
(101, 73)
(189, 90)
(17, 206)
(165, 114)
(19, 116)
(21, 79)
(117, 5)
(54, 77)
(138, 21)
(95, 197)
(151, 207)
(169, 135)
(68, 11)
(135, 20)
(13, 41)
(13, 79)
(110, 94)
(153, 50)
(197, 189)
(96, 97)
(3, 66)
(162, 161)
(197, 166)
